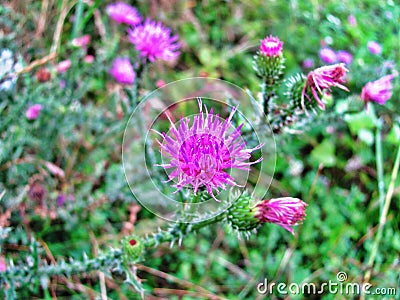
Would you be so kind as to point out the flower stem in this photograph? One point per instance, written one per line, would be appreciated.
(379, 165)
(382, 219)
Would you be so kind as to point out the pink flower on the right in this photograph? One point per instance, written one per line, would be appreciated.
(285, 212)
(378, 91)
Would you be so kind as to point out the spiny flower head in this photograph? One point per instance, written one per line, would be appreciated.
(271, 46)
(154, 41)
(285, 212)
(122, 12)
(201, 154)
(378, 91)
(122, 70)
(324, 78)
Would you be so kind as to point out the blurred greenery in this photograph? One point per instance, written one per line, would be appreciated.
(330, 162)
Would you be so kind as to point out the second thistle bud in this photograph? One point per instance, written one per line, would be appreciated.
(133, 247)
(241, 215)
(269, 61)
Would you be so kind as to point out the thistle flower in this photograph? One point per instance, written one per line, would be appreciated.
(154, 41)
(345, 57)
(33, 111)
(378, 91)
(201, 154)
(63, 66)
(271, 46)
(285, 212)
(122, 12)
(374, 47)
(269, 61)
(82, 41)
(308, 63)
(327, 55)
(324, 78)
(352, 20)
(122, 70)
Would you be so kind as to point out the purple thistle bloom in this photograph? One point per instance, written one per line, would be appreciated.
(378, 91)
(308, 63)
(374, 48)
(345, 57)
(122, 12)
(271, 46)
(33, 111)
(285, 212)
(324, 78)
(327, 55)
(122, 70)
(154, 41)
(352, 20)
(201, 154)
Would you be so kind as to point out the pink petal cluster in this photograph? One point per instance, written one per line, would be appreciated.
(63, 66)
(271, 46)
(324, 78)
(33, 111)
(328, 55)
(82, 41)
(378, 91)
(122, 12)
(374, 47)
(154, 41)
(285, 212)
(122, 70)
(201, 154)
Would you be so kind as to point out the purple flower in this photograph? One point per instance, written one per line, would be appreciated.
(352, 20)
(33, 111)
(201, 154)
(154, 41)
(374, 48)
(271, 46)
(82, 41)
(327, 55)
(285, 212)
(308, 63)
(324, 78)
(122, 70)
(63, 66)
(345, 57)
(122, 12)
(378, 91)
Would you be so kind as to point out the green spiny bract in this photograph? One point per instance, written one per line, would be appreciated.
(270, 69)
(241, 216)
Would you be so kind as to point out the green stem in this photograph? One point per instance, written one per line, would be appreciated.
(179, 230)
(383, 216)
(78, 18)
(379, 165)
(268, 94)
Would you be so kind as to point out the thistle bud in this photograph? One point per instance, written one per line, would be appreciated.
(133, 247)
(269, 62)
(285, 212)
(241, 215)
(295, 85)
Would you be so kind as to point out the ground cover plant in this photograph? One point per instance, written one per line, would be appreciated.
(199, 150)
